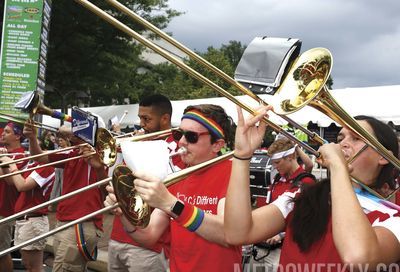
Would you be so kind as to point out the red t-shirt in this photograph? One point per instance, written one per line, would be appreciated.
(44, 178)
(284, 184)
(8, 193)
(323, 255)
(189, 251)
(281, 186)
(78, 174)
(118, 233)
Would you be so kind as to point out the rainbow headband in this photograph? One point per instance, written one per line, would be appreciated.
(282, 154)
(208, 123)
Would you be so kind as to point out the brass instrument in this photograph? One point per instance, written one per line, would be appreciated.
(107, 17)
(36, 107)
(134, 208)
(105, 148)
(137, 138)
(105, 143)
(118, 181)
(307, 77)
(305, 85)
(315, 137)
(23, 121)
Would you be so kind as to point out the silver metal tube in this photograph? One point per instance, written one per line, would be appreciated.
(47, 203)
(54, 231)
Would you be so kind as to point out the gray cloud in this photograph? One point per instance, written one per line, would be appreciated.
(363, 36)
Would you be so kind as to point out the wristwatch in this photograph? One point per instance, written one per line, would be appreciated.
(177, 208)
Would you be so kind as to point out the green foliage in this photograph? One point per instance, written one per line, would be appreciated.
(178, 85)
(88, 54)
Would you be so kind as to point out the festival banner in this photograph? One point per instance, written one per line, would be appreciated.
(23, 51)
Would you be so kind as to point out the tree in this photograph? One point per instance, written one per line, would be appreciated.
(234, 51)
(176, 84)
(88, 54)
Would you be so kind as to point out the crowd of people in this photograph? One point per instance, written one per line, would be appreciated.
(202, 222)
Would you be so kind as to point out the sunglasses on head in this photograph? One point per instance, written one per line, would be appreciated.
(190, 136)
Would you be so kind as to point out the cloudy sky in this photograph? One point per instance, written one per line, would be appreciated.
(362, 35)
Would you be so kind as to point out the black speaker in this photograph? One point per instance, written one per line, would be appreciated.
(260, 178)
(260, 170)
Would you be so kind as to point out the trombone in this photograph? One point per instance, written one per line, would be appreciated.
(105, 144)
(88, 187)
(22, 121)
(314, 136)
(36, 107)
(123, 176)
(104, 15)
(105, 148)
(305, 85)
(315, 78)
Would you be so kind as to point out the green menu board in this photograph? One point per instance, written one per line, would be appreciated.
(23, 50)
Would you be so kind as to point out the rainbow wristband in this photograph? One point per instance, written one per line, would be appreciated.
(191, 217)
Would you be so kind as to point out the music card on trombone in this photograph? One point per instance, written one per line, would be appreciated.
(84, 125)
(25, 101)
(147, 156)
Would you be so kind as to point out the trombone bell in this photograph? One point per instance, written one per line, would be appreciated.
(305, 85)
(304, 81)
(106, 147)
(134, 208)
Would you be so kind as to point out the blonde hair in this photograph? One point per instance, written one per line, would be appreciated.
(280, 145)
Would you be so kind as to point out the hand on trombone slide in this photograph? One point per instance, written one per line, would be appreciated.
(92, 158)
(332, 155)
(111, 199)
(30, 132)
(12, 167)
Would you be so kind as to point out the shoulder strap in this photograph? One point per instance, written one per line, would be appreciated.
(297, 180)
(277, 177)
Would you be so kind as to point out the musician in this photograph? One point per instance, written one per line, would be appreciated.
(290, 177)
(11, 137)
(333, 224)
(34, 187)
(63, 142)
(124, 254)
(75, 246)
(194, 207)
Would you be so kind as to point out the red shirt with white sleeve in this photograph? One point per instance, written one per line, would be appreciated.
(78, 174)
(323, 255)
(8, 193)
(44, 177)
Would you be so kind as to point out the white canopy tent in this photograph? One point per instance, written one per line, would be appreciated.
(380, 102)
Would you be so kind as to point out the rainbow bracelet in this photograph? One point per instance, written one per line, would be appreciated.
(191, 217)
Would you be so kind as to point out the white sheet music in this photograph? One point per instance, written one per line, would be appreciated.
(147, 156)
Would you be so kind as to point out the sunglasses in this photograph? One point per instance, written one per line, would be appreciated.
(190, 136)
